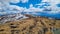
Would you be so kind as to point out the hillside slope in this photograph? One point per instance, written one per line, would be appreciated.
(32, 25)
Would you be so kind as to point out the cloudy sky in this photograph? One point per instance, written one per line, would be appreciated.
(50, 7)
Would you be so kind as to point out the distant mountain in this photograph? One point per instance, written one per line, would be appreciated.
(11, 17)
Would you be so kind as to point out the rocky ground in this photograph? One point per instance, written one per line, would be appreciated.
(31, 25)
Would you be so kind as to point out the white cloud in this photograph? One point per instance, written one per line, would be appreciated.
(53, 6)
(24, 1)
(14, 1)
(31, 5)
(17, 1)
(16, 9)
(33, 9)
(4, 0)
(51, 1)
(5, 7)
(44, 0)
(2, 13)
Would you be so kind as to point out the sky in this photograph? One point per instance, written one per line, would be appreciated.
(47, 8)
(27, 4)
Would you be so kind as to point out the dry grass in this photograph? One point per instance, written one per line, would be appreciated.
(31, 25)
